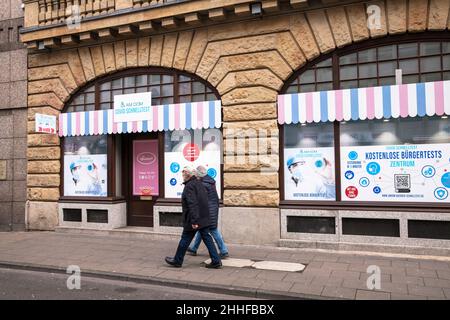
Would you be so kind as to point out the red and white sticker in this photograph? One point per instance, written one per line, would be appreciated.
(191, 152)
(351, 192)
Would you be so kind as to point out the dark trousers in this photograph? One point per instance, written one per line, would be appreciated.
(186, 239)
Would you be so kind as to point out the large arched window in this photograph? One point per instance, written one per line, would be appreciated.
(330, 161)
(110, 151)
(166, 87)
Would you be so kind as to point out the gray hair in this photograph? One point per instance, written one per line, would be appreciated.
(201, 171)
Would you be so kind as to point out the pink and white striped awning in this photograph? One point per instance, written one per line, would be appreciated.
(407, 100)
(180, 116)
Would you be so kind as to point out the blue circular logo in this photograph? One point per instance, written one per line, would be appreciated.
(376, 190)
(428, 171)
(349, 175)
(319, 163)
(353, 155)
(445, 179)
(173, 181)
(373, 168)
(440, 193)
(364, 182)
(212, 173)
(174, 167)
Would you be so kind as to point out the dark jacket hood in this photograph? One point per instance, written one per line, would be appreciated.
(208, 179)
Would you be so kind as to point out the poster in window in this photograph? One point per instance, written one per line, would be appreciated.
(190, 154)
(309, 174)
(85, 175)
(145, 168)
(403, 173)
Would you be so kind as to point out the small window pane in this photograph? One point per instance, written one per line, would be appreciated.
(446, 62)
(89, 107)
(117, 92)
(79, 108)
(409, 66)
(211, 97)
(326, 63)
(387, 68)
(167, 90)
(387, 81)
(430, 77)
(184, 99)
(155, 79)
(308, 88)
(368, 70)
(198, 87)
(348, 59)
(141, 80)
(410, 79)
(446, 76)
(430, 48)
(185, 88)
(167, 100)
(324, 86)
(387, 52)
(90, 89)
(324, 75)
(445, 47)
(407, 50)
(183, 78)
(292, 89)
(105, 106)
(430, 64)
(129, 82)
(117, 84)
(105, 96)
(167, 79)
(79, 99)
(368, 83)
(348, 72)
(90, 97)
(130, 90)
(142, 89)
(307, 77)
(198, 98)
(155, 91)
(367, 55)
(105, 86)
(349, 84)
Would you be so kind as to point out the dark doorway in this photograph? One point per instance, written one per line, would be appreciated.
(141, 164)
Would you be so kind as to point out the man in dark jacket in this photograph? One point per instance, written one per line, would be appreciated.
(194, 202)
(213, 204)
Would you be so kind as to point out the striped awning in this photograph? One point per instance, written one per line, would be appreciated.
(180, 116)
(407, 100)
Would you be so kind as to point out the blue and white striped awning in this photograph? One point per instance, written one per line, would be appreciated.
(405, 100)
(179, 116)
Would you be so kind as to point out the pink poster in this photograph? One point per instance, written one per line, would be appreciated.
(145, 168)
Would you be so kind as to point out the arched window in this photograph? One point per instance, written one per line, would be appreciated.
(167, 87)
(370, 162)
(112, 153)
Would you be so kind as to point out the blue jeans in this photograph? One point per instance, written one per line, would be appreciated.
(217, 237)
(186, 239)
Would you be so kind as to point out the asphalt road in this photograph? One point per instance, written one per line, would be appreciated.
(33, 285)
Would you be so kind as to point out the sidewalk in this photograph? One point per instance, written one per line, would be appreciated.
(328, 275)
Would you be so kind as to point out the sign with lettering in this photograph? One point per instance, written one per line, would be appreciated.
(45, 123)
(145, 168)
(133, 107)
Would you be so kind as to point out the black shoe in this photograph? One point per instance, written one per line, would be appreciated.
(217, 265)
(172, 262)
(191, 252)
(224, 255)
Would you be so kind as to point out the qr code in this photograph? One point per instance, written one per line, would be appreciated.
(402, 182)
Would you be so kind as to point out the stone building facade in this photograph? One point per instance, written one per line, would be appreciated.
(13, 110)
(247, 51)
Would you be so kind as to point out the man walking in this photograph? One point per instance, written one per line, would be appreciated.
(213, 205)
(194, 200)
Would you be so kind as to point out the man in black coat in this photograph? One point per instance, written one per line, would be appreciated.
(196, 217)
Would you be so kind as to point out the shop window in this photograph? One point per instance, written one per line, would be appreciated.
(85, 166)
(309, 162)
(400, 160)
(190, 148)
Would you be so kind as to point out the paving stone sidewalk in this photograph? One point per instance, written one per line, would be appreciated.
(328, 274)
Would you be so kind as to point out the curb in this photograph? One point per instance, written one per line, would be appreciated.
(219, 289)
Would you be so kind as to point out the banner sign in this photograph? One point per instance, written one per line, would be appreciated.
(417, 173)
(145, 168)
(45, 123)
(85, 175)
(133, 107)
(309, 174)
